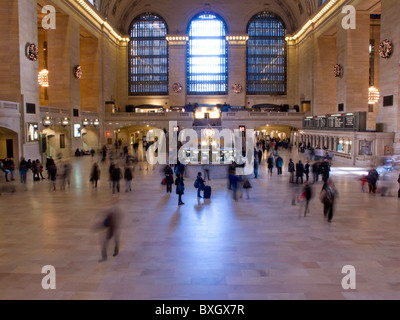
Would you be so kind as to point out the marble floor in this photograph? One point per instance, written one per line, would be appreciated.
(258, 249)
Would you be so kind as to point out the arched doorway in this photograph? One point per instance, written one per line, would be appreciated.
(57, 142)
(90, 138)
(8, 144)
(133, 137)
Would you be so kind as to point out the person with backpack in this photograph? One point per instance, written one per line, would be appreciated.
(199, 184)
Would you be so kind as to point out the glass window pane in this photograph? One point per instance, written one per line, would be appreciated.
(266, 55)
(148, 56)
(207, 55)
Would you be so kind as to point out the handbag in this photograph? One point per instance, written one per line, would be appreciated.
(164, 181)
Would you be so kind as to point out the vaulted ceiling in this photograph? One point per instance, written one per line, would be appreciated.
(236, 13)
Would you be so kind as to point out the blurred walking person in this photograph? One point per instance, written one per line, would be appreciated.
(169, 178)
(65, 176)
(308, 196)
(256, 163)
(116, 176)
(247, 187)
(23, 169)
(328, 196)
(128, 176)
(291, 170)
(270, 162)
(398, 180)
(373, 178)
(307, 170)
(53, 176)
(279, 164)
(95, 175)
(299, 172)
(112, 226)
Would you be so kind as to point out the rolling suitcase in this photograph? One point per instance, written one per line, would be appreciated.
(207, 192)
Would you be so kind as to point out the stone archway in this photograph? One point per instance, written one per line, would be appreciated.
(9, 144)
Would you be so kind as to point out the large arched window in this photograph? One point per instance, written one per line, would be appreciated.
(148, 56)
(207, 55)
(266, 55)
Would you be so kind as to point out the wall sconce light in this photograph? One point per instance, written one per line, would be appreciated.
(96, 122)
(85, 122)
(65, 122)
(47, 121)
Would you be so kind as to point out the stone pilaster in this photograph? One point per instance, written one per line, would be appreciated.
(353, 54)
(237, 69)
(29, 89)
(325, 84)
(389, 71)
(177, 69)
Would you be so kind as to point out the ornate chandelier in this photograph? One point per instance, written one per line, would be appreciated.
(373, 95)
(43, 78)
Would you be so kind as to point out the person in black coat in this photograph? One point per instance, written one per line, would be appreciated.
(307, 170)
(299, 171)
(95, 175)
(200, 184)
(308, 196)
(169, 178)
(291, 170)
(180, 188)
(260, 154)
(325, 169)
(116, 176)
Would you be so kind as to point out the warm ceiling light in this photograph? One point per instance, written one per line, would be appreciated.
(373, 95)
(43, 78)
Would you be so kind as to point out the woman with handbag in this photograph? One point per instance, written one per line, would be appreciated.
(180, 188)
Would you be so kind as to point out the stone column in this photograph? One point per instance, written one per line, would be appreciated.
(177, 68)
(28, 71)
(390, 72)
(325, 82)
(353, 54)
(237, 69)
(10, 62)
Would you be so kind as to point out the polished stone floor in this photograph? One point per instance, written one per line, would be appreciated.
(261, 248)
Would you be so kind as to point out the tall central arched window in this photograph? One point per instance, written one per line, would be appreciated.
(266, 55)
(148, 56)
(207, 55)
